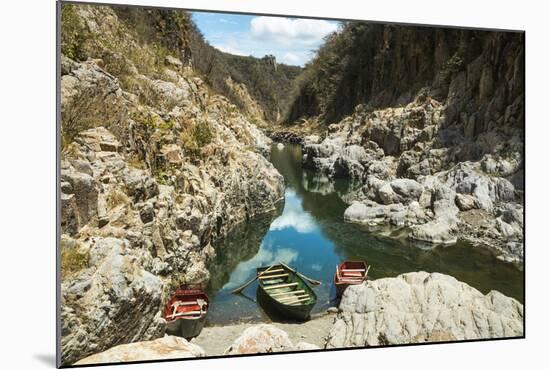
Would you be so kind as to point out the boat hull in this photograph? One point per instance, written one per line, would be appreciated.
(342, 285)
(185, 312)
(284, 311)
(280, 311)
(186, 328)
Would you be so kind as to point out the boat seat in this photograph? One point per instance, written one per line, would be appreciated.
(272, 271)
(185, 313)
(273, 276)
(353, 270)
(300, 301)
(357, 280)
(287, 293)
(291, 298)
(352, 273)
(281, 286)
(274, 281)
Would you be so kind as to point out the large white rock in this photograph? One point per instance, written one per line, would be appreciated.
(168, 347)
(301, 346)
(419, 307)
(260, 338)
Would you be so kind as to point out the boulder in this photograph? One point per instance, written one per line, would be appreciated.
(311, 139)
(139, 185)
(407, 189)
(422, 307)
(79, 195)
(169, 94)
(439, 231)
(147, 212)
(118, 301)
(168, 347)
(262, 338)
(386, 194)
(99, 139)
(359, 212)
(305, 346)
(170, 60)
(465, 202)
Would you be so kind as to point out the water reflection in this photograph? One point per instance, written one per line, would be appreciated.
(310, 235)
(294, 216)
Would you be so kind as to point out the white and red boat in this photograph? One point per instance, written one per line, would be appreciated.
(185, 312)
(349, 273)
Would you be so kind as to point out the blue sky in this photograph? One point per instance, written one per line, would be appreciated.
(293, 41)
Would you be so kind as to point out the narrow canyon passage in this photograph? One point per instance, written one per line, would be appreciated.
(310, 235)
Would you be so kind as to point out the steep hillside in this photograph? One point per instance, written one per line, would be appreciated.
(386, 65)
(154, 167)
(429, 123)
(268, 82)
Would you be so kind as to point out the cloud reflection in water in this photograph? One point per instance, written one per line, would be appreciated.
(294, 216)
(265, 256)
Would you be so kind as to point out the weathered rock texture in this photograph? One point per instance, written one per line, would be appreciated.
(422, 307)
(261, 338)
(153, 169)
(265, 338)
(168, 347)
(434, 141)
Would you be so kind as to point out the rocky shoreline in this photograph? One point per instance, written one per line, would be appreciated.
(432, 136)
(411, 308)
(155, 168)
(438, 195)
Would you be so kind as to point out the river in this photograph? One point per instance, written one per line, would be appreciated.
(310, 235)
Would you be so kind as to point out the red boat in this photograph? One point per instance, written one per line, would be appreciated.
(185, 313)
(349, 273)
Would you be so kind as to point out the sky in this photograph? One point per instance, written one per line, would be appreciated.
(293, 41)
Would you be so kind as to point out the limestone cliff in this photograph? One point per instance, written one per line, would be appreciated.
(154, 167)
(428, 123)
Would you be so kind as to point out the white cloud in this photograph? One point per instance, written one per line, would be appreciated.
(295, 58)
(223, 20)
(287, 31)
(228, 48)
(246, 270)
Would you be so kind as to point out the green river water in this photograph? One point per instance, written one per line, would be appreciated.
(309, 233)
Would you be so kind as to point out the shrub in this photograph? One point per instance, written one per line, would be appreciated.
(116, 198)
(202, 134)
(455, 63)
(72, 260)
(83, 111)
(195, 137)
(73, 33)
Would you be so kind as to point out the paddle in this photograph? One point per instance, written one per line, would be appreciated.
(366, 273)
(310, 280)
(239, 289)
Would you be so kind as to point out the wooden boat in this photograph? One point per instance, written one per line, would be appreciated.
(281, 289)
(349, 273)
(186, 311)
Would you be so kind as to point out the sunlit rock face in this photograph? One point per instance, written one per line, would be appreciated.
(445, 156)
(422, 307)
(414, 103)
(265, 338)
(168, 347)
(262, 338)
